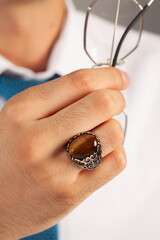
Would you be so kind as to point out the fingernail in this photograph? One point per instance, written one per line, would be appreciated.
(126, 79)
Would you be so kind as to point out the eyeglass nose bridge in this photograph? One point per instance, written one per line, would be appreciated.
(109, 62)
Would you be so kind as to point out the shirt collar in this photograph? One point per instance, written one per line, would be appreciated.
(68, 48)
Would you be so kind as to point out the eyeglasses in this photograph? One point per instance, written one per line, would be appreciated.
(114, 60)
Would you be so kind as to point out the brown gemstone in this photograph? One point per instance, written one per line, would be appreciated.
(83, 146)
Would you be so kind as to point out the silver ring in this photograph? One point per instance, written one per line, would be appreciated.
(85, 150)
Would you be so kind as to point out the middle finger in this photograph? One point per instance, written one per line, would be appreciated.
(81, 116)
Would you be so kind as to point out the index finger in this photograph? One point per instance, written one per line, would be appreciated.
(46, 99)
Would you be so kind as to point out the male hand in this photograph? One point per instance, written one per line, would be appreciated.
(39, 184)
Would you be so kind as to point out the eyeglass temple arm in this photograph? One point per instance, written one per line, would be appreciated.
(85, 29)
(131, 25)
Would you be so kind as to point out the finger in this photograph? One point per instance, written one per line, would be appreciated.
(51, 134)
(111, 136)
(112, 165)
(81, 116)
(48, 98)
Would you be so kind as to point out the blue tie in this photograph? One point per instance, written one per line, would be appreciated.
(9, 86)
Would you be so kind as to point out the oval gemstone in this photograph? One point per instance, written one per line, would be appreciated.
(83, 146)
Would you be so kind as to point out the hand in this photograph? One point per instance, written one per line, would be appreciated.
(39, 184)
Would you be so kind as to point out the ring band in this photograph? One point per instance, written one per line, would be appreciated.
(85, 150)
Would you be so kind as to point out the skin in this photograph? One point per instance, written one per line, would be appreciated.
(29, 29)
(39, 185)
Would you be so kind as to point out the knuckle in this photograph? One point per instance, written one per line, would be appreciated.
(120, 159)
(66, 194)
(116, 131)
(103, 102)
(82, 80)
(26, 151)
(116, 76)
(13, 112)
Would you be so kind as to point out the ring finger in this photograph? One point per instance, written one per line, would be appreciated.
(111, 135)
(87, 113)
(50, 135)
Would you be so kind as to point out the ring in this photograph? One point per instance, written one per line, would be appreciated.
(85, 150)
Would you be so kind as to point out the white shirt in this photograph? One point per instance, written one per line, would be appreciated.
(128, 207)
